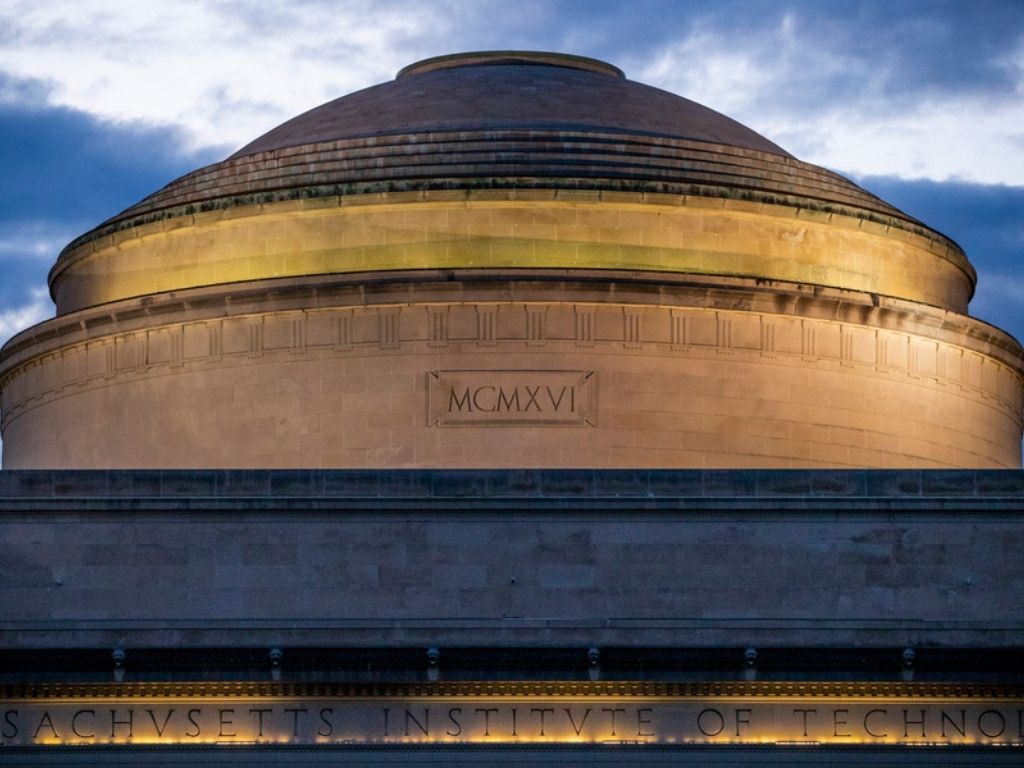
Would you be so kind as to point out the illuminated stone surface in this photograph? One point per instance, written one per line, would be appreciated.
(729, 305)
(514, 294)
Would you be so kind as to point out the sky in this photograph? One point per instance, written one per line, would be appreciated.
(103, 102)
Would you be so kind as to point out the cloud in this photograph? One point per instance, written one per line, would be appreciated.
(64, 171)
(226, 72)
(916, 89)
(31, 238)
(64, 164)
(20, 316)
(27, 249)
(987, 221)
(895, 89)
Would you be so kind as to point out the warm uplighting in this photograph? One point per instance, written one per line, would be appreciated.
(574, 719)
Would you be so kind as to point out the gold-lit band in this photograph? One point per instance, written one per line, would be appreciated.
(500, 229)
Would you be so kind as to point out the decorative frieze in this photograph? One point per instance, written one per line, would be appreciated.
(369, 330)
(511, 713)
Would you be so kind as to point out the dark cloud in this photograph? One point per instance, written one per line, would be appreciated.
(987, 220)
(64, 172)
(22, 272)
(881, 52)
(962, 46)
(910, 47)
(65, 166)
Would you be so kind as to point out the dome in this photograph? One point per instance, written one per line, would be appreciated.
(515, 92)
(511, 259)
(483, 122)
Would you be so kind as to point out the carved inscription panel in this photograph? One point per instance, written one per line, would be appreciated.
(464, 719)
(510, 398)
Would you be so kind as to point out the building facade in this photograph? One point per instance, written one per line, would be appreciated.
(512, 411)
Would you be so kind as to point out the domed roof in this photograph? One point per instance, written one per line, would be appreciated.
(330, 294)
(510, 91)
(506, 120)
(512, 131)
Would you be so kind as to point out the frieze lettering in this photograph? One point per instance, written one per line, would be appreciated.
(654, 720)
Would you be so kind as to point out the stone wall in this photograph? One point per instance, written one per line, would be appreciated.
(580, 558)
(631, 374)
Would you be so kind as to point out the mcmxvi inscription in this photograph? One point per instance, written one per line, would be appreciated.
(511, 398)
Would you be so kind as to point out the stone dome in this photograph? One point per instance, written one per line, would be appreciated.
(511, 259)
(483, 122)
(516, 92)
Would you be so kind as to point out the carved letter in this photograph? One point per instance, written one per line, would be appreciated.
(742, 721)
(961, 729)
(613, 712)
(507, 402)
(160, 728)
(561, 396)
(713, 731)
(45, 720)
(641, 721)
(836, 722)
(907, 722)
(223, 722)
(455, 723)
(10, 734)
(476, 401)
(323, 719)
(259, 719)
(487, 720)
(532, 392)
(1002, 724)
(424, 726)
(542, 711)
(463, 402)
(295, 720)
(867, 728)
(74, 724)
(114, 722)
(192, 719)
(805, 712)
(579, 728)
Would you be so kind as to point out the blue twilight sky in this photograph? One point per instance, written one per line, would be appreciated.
(104, 101)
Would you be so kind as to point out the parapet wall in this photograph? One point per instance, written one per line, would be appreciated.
(483, 558)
